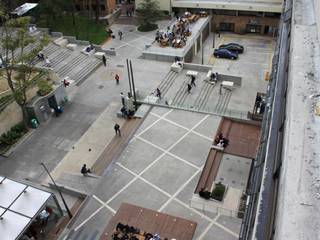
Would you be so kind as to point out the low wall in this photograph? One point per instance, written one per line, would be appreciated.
(10, 116)
(197, 67)
(72, 39)
(205, 68)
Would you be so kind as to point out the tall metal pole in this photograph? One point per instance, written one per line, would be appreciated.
(129, 77)
(134, 89)
(64, 202)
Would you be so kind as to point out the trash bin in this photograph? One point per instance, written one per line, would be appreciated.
(34, 123)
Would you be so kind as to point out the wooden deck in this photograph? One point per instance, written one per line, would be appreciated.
(147, 220)
(244, 140)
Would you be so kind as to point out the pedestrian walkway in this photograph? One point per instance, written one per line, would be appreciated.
(91, 145)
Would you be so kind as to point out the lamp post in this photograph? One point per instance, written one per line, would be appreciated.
(64, 202)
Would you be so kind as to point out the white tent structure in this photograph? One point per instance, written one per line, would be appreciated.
(19, 205)
(24, 8)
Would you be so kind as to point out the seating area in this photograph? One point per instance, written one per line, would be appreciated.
(146, 224)
(212, 164)
(176, 35)
(243, 141)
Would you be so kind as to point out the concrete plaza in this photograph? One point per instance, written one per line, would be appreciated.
(159, 169)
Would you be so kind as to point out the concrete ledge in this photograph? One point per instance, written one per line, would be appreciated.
(68, 190)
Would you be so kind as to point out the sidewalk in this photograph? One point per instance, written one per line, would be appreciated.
(91, 145)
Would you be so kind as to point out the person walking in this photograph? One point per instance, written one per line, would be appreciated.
(122, 99)
(189, 88)
(193, 80)
(220, 89)
(117, 78)
(120, 35)
(117, 129)
(104, 60)
(158, 94)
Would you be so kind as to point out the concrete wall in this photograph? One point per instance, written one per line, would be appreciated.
(240, 22)
(165, 5)
(9, 117)
(40, 109)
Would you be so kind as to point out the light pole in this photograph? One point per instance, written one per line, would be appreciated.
(64, 202)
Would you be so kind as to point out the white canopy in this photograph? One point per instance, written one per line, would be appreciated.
(19, 204)
(24, 8)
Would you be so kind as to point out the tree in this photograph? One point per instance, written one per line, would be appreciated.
(18, 67)
(148, 13)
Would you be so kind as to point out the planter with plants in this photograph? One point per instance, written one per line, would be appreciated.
(218, 191)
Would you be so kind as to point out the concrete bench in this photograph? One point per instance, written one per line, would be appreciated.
(208, 77)
(192, 73)
(228, 85)
(176, 67)
(61, 42)
(71, 46)
(99, 55)
(216, 147)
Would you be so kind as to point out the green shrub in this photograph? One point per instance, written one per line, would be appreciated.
(44, 87)
(218, 191)
(13, 135)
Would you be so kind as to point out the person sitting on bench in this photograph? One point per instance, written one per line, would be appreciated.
(85, 170)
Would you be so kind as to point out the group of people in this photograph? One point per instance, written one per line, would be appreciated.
(126, 232)
(221, 141)
(175, 36)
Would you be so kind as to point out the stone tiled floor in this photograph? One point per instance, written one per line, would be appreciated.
(159, 170)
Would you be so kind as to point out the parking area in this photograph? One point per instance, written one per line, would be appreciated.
(253, 65)
(159, 169)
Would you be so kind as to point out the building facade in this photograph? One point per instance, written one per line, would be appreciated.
(256, 16)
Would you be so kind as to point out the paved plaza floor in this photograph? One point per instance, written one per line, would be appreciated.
(159, 169)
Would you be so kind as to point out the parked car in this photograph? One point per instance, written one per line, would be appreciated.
(224, 53)
(234, 47)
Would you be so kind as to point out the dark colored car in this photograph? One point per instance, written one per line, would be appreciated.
(234, 47)
(224, 53)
